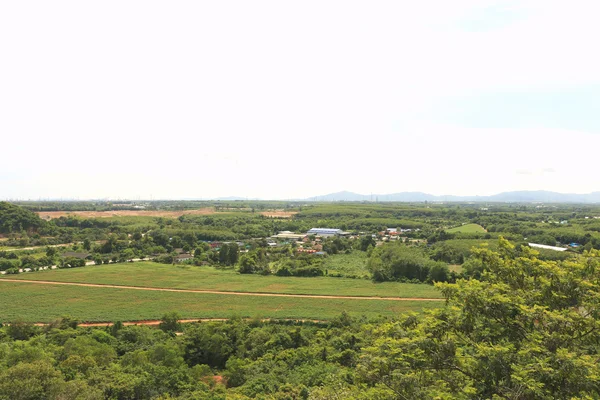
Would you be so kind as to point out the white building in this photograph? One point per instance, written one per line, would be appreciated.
(325, 232)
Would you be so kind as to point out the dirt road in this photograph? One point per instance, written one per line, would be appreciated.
(156, 322)
(309, 296)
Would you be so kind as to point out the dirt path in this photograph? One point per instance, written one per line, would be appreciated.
(156, 322)
(310, 296)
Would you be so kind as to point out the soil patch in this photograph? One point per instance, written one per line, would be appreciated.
(125, 213)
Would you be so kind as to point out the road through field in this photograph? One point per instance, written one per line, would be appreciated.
(156, 322)
(310, 296)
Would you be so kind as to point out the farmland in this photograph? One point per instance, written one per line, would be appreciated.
(42, 303)
(468, 228)
(124, 213)
(149, 274)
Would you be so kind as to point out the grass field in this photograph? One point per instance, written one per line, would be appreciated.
(353, 264)
(43, 303)
(467, 228)
(149, 274)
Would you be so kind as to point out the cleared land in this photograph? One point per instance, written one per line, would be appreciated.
(43, 303)
(125, 213)
(468, 228)
(279, 214)
(153, 275)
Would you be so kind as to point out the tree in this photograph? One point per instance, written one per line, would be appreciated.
(528, 329)
(232, 254)
(37, 380)
(224, 254)
(21, 330)
(51, 251)
(170, 322)
(127, 254)
(247, 264)
(366, 241)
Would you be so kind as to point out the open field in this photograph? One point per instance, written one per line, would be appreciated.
(153, 275)
(125, 213)
(467, 228)
(279, 213)
(353, 264)
(43, 303)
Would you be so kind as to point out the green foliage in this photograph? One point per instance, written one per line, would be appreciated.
(528, 329)
(170, 322)
(397, 262)
(16, 219)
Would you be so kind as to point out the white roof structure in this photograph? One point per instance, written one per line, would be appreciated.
(324, 231)
(544, 246)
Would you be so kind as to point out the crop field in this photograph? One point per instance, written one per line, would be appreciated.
(149, 274)
(125, 213)
(43, 303)
(468, 228)
(279, 213)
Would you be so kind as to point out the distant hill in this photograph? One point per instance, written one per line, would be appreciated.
(540, 196)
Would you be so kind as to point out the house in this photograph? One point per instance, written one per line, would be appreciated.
(325, 232)
(183, 257)
(290, 236)
(543, 246)
(306, 251)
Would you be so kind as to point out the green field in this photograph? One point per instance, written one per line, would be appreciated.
(349, 265)
(149, 274)
(467, 228)
(43, 303)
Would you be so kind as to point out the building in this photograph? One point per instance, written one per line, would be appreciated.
(290, 236)
(183, 257)
(325, 232)
(543, 246)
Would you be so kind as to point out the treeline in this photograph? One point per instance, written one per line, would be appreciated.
(18, 219)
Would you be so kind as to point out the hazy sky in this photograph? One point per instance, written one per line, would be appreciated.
(288, 99)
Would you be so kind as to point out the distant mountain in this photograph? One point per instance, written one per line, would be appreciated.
(540, 196)
(230, 198)
(340, 196)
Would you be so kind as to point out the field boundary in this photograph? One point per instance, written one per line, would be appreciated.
(221, 292)
(156, 322)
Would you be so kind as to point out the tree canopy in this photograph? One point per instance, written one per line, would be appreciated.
(15, 219)
(528, 329)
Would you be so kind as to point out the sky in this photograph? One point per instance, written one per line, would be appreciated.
(292, 99)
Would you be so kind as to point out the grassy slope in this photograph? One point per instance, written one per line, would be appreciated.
(43, 303)
(188, 277)
(468, 228)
